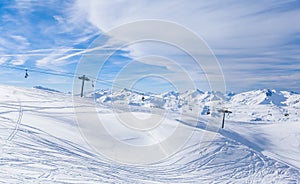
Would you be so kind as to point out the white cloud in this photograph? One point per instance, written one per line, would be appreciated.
(52, 58)
(14, 43)
(3, 60)
(242, 34)
(236, 22)
(248, 38)
(19, 60)
(63, 56)
(20, 39)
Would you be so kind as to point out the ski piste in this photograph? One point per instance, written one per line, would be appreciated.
(44, 144)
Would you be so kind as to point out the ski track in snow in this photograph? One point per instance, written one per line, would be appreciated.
(42, 151)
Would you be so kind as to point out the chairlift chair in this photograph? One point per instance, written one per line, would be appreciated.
(26, 74)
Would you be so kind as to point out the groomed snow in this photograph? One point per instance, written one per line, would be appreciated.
(41, 143)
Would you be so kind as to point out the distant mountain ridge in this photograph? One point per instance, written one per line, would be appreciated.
(256, 105)
(255, 97)
(46, 89)
(263, 105)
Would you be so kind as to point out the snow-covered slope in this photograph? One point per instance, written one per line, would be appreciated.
(41, 143)
(265, 106)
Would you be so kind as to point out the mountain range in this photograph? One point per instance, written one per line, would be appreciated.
(264, 105)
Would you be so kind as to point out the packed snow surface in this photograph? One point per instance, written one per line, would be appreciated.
(42, 143)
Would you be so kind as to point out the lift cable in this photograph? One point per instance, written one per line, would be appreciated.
(67, 74)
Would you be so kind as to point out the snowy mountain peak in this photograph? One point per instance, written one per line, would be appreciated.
(270, 92)
(132, 91)
(256, 97)
(274, 97)
(171, 94)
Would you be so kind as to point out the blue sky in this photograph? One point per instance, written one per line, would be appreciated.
(257, 43)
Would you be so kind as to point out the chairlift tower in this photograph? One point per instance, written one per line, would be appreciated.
(224, 111)
(83, 78)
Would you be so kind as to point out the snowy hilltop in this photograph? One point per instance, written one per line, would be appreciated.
(41, 141)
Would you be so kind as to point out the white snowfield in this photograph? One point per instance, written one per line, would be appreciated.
(41, 141)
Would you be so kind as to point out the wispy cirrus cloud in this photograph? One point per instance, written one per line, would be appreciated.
(19, 60)
(42, 35)
(31, 26)
(3, 60)
(257, 43)
(247, 37)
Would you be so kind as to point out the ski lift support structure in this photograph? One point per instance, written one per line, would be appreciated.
(224, 111)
